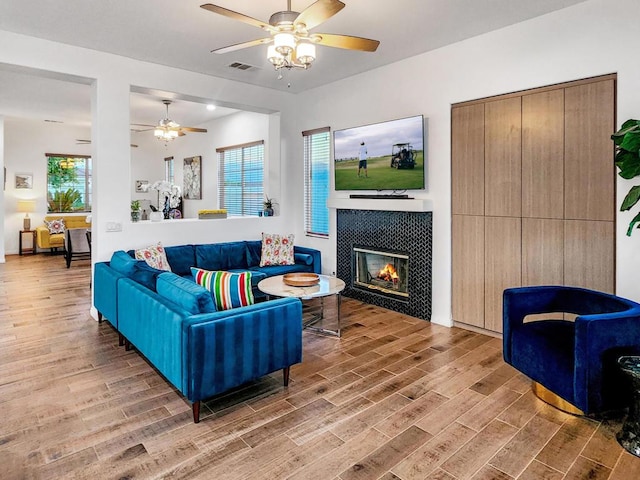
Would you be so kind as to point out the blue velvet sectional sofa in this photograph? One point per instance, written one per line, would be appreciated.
(173, 321)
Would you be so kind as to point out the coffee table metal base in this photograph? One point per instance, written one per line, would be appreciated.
(317, 315)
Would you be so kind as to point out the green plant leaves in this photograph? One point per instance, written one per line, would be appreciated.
(631, 199)
(627, 159)
(633, 223)
(628, 163)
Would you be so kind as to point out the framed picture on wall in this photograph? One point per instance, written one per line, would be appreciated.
(24, 180)
(192, 175)
(142, 186)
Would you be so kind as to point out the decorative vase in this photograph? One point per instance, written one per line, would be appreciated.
(166, 208)
(155, 216)
(135, 216)
(268, 212)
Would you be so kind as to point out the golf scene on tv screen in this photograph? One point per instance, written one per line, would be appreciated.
(381, 156)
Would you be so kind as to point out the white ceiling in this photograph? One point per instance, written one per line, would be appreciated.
(181, 34)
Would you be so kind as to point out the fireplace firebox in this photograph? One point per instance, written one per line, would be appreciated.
(384, 272)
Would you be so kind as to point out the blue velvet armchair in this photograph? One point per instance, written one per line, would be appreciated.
(576, 360)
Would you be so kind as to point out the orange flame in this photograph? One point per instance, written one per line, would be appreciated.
(388, 273)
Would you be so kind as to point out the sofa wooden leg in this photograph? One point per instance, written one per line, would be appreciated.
(127, 345)
(285, 375)
(120, 339)
(99, 317)
(195, 407)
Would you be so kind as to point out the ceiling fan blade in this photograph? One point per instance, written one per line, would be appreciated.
(181, 133)
(234, 15)
(238, 46)
(346, 41)
(193, 129)
(143, 125)
(318, 12)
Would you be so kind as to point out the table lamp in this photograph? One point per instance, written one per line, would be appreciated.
(26, 206)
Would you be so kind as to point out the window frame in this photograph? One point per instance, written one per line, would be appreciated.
(251, 160)
(84, 183)
(313, 163)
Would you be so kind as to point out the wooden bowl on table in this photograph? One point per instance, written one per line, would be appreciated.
(301, 279)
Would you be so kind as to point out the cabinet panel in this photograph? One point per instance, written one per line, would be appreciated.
(503, 158)
(467, 166)
(589, 169)
(589, 255)
(468, 269)
(542, 154)
(542, 251)
(502, 265)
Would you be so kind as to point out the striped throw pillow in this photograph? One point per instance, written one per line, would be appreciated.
(229, 290)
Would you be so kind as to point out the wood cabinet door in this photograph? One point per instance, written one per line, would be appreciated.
(503, 158)
(467, 160)
(588, 151)
(542, 251)
(468, 269)
(503, 265)
(543, 154)
(589, 258)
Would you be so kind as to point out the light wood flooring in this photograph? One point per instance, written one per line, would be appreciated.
(394, 398)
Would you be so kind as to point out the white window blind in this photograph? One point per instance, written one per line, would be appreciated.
(317, 146)
(168, 169)
(240, 178)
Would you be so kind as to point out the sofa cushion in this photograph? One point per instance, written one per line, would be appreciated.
(256, 275)
(123, 263)
(55, 226)
(303, 258)
(155, 256)
(181, 258)
(146, 275)
(185, 293)
(272, 270)
(221, 256)
(253, 250)
(277, 249)
(228, 290)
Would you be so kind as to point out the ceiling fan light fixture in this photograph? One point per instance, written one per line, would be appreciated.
(306, 53)
(274, 56)
(284, 42)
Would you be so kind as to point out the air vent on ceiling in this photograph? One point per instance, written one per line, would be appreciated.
(242, 66)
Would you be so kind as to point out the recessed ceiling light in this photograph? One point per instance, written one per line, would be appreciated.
(211, 107)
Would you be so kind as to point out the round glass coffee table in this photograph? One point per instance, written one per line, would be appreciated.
(327, 286)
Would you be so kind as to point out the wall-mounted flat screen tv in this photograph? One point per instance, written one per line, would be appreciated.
(381, 156)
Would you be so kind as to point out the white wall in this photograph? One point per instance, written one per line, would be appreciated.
(26, 142)
(592, 38)
(111, 79)
(147, 161)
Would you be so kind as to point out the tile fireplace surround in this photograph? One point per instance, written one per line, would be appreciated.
(409, 232)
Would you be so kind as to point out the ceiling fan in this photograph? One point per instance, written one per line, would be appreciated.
(290, 43)
(167, 129)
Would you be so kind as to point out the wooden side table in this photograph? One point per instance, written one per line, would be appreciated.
(28, 250)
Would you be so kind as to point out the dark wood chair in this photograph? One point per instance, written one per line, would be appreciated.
(76, 245)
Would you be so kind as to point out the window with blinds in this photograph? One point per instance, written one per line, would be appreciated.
(168, 169)
(317, 146)
(241, 178)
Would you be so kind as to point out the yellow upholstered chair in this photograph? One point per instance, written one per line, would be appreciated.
(54, 241)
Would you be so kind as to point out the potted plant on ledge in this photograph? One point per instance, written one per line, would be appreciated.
(268, 206)
(627, 141)
(135, 210)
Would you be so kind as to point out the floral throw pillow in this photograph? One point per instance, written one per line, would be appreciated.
(55, 226)
(229, 290)
(154, 256)
(277, 250)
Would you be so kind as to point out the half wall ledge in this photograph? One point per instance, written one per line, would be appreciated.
(390, 205)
